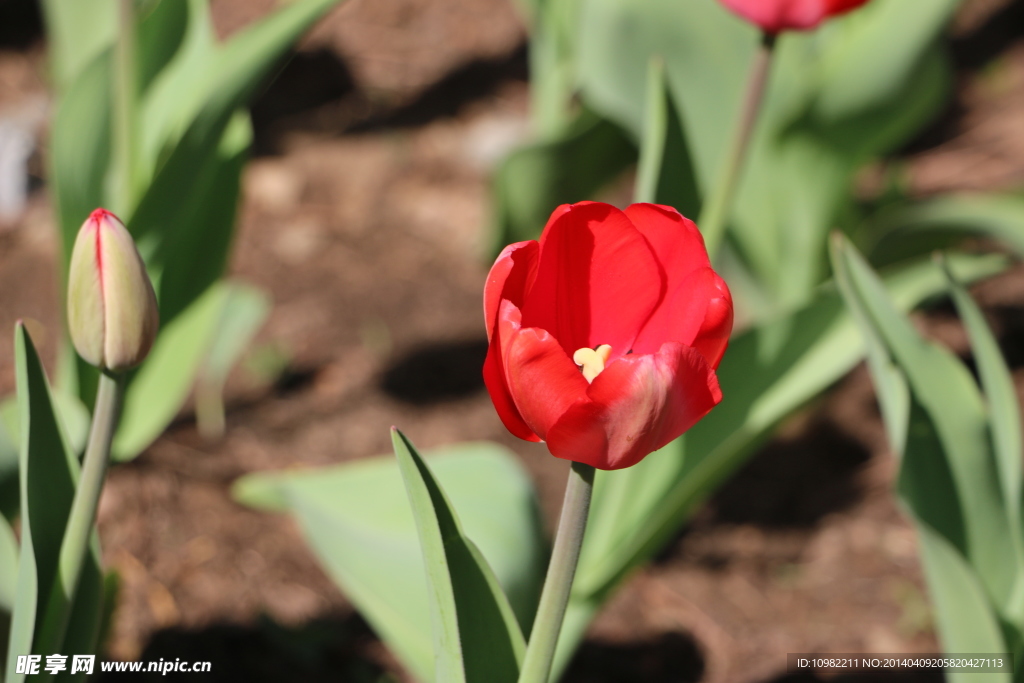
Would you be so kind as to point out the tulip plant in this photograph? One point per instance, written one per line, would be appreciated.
(752, 115)
(151, 120)
(54, 586)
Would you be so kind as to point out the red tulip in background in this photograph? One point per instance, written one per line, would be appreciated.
(780, 15)
(605, 334)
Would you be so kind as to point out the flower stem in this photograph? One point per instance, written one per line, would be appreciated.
(716, 211)
(82, 518)
(540, 652)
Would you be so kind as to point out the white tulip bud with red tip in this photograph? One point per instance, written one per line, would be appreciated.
(112, 309)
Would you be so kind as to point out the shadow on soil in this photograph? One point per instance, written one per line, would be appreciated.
(343, 651)
(793, 483)
(332, 650)
(669, 658)
(315, 93)
(437, 372)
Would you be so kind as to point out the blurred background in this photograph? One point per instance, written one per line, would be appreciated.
(364, 216)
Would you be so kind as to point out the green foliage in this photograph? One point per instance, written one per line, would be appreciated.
(575, 162)
(960, 471)
(172, 171)
(475, 634)
(48, 472)
(358, 519)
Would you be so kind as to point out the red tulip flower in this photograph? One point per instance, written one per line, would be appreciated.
(780, 15)
(605, 334)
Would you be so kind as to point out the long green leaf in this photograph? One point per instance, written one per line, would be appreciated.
(665, 173)
(358, 521)
(1000, 396)
(948, 429)
(924, 226)
(48, 471)
(950, 474)
(476, 636)
(964, 617)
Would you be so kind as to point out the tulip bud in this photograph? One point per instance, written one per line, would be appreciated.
(112, 310)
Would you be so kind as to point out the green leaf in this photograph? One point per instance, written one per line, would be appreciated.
(77, 31)
(358, 521)
(1000, 396)
(74, 418)
(242, 315)
(159, 388)
(964, 617)
(950, 475)
(8, 566)
(48, 471)
(80, 148)
(9, 496)
(532, 181)
(767, 373)
(921, 227)
(476, 636)
(665, 173)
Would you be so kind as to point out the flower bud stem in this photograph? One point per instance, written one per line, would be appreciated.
(554, 598)
(82, 518)
(716, 210)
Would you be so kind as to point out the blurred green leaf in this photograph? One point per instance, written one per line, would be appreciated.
(950, 474)
(665, 173)
(965, 619)
(535, 179)
(358, 521)
(924, 226)
(767, 373)
(475, 634)
(9, 496)
(77, 31)
(242, 314)
(48, 471)
(160, 386)
(8, 567)
(1000, 398)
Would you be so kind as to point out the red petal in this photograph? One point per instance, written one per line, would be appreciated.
(509, 278)
(636, 406)
(598, 280)
(697, 312)
(675, 240)
(713, 338)
(779, 15)
(543, 381)
(501, 397)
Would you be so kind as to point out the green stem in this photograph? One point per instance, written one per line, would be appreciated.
(716, 211)
(555, 597)
(123, 118)
(82, 518)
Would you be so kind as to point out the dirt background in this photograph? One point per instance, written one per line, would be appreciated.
(364, 217)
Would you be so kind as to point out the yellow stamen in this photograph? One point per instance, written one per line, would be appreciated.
(592, 361)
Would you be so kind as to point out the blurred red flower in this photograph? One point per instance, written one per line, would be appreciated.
(780, 15)
(605, 334)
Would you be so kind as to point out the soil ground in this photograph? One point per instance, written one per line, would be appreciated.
(364, 217)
